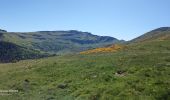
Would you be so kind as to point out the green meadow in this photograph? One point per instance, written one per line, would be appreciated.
(140, 71)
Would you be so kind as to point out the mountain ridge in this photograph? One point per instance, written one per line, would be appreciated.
(161, 33)
(59, 42)
(65, 42)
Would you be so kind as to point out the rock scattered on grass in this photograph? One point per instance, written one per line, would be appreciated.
(62, 86)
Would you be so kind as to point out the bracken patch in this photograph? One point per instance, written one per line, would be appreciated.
(112, 48)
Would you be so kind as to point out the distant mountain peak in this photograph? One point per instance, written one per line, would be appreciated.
(65, 31)
(59, 42)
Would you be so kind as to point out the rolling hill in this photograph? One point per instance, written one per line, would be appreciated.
(159, 34)
(139, 72)
(10, 52)
(162, 33)
(59, 42)
(66, 42)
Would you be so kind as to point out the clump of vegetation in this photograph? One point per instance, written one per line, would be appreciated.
(112, 48)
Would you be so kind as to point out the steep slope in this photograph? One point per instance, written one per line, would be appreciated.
(10, 52)
(59, 41)
(162, 33)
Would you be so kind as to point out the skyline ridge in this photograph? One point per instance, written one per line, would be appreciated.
(163, 27)
(116, 18)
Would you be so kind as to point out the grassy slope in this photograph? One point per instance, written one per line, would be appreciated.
(11, 52)
(162, 33)
(144, 67)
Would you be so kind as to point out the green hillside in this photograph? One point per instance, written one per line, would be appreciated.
(10, 52)
(162, 33)
(140, 71)
(59, 42)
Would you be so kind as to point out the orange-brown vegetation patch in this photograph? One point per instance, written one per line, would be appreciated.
(112, 48)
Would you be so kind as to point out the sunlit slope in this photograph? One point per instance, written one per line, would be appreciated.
(112, 48)
(158, 34)
(139, 72)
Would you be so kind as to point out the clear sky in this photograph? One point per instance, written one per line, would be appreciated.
(123, 19)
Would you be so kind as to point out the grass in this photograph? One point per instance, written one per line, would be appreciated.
(138, 72)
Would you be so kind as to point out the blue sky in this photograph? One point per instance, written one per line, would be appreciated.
(123, 19)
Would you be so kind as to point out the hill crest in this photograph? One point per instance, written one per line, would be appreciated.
(162, 33)
(59, 42)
